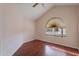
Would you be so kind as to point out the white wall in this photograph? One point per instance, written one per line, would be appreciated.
(68, 14)
(14, 29)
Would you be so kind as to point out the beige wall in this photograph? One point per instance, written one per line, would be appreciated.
(1, 33)
(29, 30)
(14, 30)
(78, 25)
(68, 13)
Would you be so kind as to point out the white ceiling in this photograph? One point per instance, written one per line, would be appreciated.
(34, 13)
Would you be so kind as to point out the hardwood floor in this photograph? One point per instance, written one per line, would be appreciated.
(41, 48)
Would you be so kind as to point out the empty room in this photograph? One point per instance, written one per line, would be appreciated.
(39, 29)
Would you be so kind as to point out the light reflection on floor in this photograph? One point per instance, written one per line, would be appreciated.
(53, 52)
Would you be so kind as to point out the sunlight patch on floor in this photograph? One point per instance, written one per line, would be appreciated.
(50, 51)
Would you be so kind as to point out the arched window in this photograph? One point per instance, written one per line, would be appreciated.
(55, 26)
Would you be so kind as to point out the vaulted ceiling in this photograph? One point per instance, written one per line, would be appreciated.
(34, 13)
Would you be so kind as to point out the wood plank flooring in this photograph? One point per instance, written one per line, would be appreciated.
(41, 48)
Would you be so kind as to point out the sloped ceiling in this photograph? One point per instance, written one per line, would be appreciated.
(33, 13)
